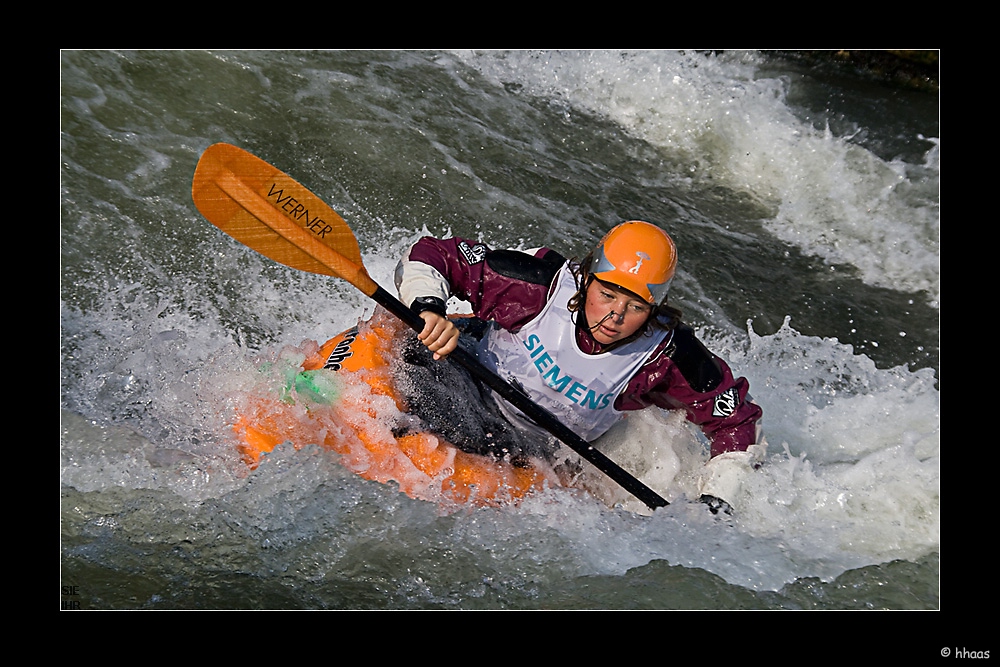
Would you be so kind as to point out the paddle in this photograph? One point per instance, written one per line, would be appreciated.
(265, 209)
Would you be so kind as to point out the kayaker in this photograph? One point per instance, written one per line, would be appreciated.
(587, 340)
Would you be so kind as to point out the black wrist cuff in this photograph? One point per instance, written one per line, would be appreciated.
(431, 303)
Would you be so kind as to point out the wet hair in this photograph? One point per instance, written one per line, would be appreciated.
(663, 316)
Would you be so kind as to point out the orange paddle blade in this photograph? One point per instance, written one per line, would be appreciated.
(267, 210)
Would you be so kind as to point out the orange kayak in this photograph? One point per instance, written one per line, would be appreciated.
(341, 395)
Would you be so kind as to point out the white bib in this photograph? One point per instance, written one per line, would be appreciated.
(545, 360)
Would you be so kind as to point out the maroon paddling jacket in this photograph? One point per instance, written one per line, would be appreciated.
(511, 288)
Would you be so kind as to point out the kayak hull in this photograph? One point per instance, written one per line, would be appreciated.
(342, 396)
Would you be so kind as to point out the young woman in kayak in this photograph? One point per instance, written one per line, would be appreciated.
(586, 340)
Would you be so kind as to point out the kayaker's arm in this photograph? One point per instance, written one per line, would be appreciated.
(425, 290)
(420, 285)
(505, 286)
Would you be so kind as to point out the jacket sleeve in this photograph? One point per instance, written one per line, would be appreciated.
(416, 278)
(496, 287)
(687, 376)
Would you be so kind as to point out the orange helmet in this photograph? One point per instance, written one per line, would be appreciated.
(637, 256)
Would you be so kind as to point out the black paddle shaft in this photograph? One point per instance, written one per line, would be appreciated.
(535, 412)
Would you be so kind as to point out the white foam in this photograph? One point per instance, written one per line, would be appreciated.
(724, 122)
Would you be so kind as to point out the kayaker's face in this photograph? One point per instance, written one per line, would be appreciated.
(613, 313)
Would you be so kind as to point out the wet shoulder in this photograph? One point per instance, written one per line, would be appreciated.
(696, 363)
(522, 266)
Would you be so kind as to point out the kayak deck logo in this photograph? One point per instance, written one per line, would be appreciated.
(342, 350)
